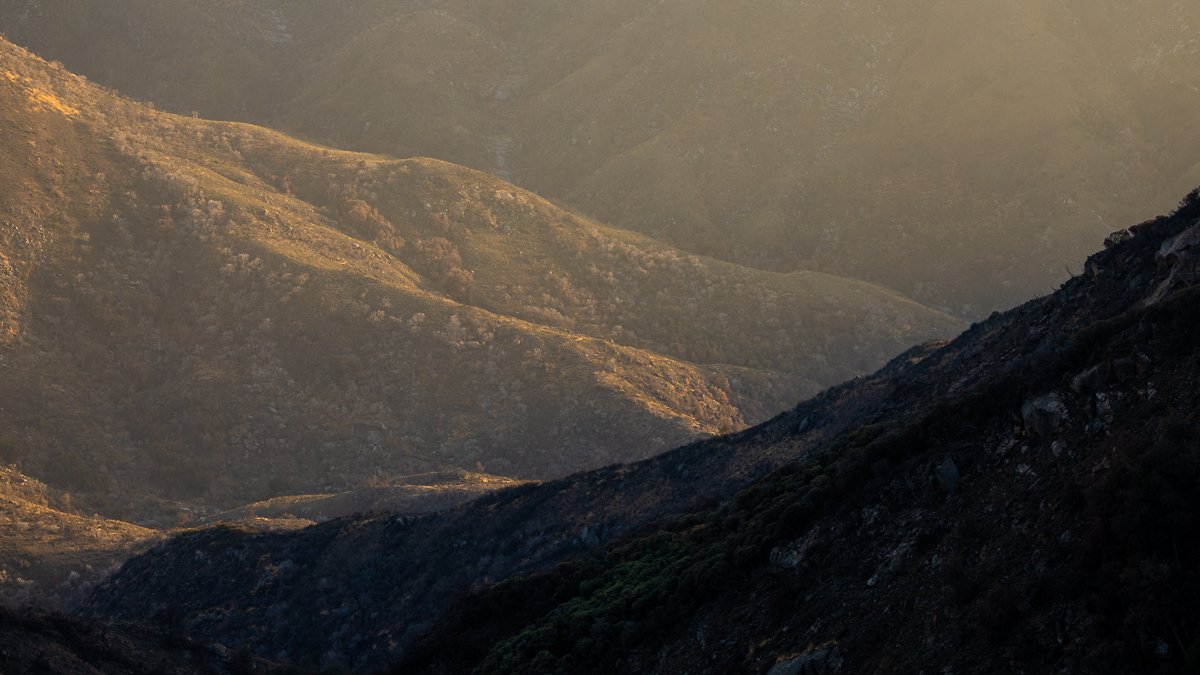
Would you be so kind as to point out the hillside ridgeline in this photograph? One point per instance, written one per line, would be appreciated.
(198, 315)
(967, 157)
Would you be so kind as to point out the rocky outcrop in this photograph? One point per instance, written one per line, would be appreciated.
(1045, 415)
(823, 660)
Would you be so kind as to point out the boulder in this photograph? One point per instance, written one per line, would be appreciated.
(1177, 255)
(1092, 379)
(947, 475)
(1045, 415)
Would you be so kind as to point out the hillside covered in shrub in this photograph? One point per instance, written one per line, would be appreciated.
(197, 315)
(1021, 497)
(966, 156)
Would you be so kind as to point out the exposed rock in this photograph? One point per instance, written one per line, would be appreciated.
(1091, 379)
(817, 661)
(1117, 237)
(588, 537)
(1178, 248)
(947, 475)
(786, 557)
(1045, 415)
(1125, 371)
(793, 554)
(1177, 255)
(1104, 409)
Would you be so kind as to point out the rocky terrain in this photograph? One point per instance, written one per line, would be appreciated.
(1019, 498)
(198, 315)
(966, 157)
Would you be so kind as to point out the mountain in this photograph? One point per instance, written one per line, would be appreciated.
(1020, 498)
(197, 315)
(965, 157)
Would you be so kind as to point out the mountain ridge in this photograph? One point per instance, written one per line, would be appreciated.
(210, 314)
(942, 164)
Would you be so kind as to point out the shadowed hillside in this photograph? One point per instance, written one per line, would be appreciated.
(965, 156)
(1019, 498)
(207, 314)
(37, 642)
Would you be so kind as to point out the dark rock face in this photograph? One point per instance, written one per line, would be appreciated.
(947, 474)
(823, 660)
(1022, 497)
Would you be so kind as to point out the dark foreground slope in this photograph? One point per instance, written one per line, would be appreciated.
(1027, 502)
(1022, 497)
(32, 642)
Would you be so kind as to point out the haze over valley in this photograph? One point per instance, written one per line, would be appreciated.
(444, 336)
(966, 156)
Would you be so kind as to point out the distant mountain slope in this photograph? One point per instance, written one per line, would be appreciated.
(1021, 497)
(208, 314)
(965, 156)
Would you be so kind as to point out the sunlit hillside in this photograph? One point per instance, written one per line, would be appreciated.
(50, 552)
(967, 156)
(207, 313)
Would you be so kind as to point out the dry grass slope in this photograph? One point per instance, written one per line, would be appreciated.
(48, 552)
(202, 314)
